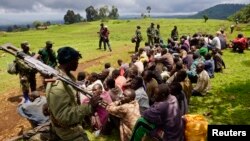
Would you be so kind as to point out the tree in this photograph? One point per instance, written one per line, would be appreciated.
(114, 13)
(103, 12)
(148, 9)
(205, 18)
(36, 24)
(243, 15)
(70, 17)
(91, 13)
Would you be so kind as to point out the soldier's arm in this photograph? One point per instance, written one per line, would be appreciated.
(63, 110)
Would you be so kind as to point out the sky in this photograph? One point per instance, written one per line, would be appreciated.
(12, 11)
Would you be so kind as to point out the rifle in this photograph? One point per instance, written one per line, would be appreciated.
(44, 69)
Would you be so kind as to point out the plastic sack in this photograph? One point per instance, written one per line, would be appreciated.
(196, 127)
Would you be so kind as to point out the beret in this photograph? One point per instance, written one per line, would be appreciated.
(66, 54)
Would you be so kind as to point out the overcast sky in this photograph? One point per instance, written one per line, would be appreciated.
(30, 10)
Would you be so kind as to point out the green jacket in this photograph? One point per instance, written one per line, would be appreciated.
(48, 57)
(65, 111)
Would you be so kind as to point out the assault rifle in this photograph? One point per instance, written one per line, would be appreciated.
(43, 68)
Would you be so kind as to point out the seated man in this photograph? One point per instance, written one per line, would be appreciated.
(203, 82)
(240, 43)
(100, 117)
(127, 110)
(164, 115)
(33, 110)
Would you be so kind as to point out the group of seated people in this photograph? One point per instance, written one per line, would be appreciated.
(150, 94)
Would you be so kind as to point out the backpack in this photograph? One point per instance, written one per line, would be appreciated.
(11, 68)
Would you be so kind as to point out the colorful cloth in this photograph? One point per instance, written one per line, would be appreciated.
(128, 114)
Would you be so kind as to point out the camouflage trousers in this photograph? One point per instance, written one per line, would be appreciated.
(28, 81)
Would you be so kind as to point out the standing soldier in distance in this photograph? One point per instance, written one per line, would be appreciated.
(151, 34)
(101, 35)
(174, 34)
(106, 38)
(138, 38)
(48, 57)
(157, 34)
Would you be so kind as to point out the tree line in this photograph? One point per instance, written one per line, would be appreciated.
(242, 16)
(92, 14)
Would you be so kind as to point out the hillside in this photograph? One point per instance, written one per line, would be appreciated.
(227, 103)
(221, 11)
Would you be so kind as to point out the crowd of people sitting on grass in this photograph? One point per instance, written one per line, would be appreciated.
(145, 97)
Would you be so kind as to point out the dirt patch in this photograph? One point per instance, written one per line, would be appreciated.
(11, 123)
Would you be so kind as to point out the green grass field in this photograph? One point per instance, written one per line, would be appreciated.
(228, 102)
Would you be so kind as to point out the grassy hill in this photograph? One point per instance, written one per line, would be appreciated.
(220, 11)
(228, 102)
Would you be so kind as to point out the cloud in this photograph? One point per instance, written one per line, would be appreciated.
(12, 6)
(17, 8)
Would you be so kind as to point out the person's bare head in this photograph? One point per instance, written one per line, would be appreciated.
(200, 67)
(129, 95)
(97, 89)
(119, 61)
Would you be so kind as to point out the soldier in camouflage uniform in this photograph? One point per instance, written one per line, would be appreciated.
(157, 34)
(27, 75)
(138, 38)
(48, 55)
(151, 34)
(65, 113)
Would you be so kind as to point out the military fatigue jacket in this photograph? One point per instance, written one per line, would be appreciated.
(66, 115)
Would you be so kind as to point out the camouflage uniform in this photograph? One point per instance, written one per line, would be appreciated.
(138, 38)
(151, 34)
(27, 76)
(66, 115)
(157, 35)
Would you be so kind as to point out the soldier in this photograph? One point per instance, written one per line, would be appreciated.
(48, 55)
(27, 75)
(174, 34)
(157, 34)
(138, 37)
(101, 35)
(151, 34)
(65, 113)
(106, 38)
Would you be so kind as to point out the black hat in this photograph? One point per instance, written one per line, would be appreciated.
(49, 42)
(152, 24)
(66, 54)
(138, 27)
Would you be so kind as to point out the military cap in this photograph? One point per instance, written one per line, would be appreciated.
(25, 43)
(49, 42)
(66, 54)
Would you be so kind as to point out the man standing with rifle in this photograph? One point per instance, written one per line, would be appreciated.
(27, 74)
(65, 113)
